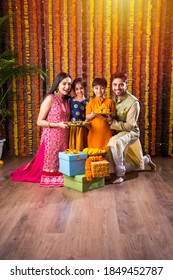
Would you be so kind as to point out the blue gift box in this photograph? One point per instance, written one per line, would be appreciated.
(72, 164)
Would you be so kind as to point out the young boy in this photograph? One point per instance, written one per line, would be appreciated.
(99, 132)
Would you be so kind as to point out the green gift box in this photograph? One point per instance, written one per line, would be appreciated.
(80, 183)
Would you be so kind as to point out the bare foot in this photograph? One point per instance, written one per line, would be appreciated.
(151, 163)
(119, 180)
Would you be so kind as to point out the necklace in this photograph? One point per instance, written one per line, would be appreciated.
(79, 99)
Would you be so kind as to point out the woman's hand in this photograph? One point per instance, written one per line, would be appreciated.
(62, 125)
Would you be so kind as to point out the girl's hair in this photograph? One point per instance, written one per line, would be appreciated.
(79, 80)
(100, 82)
(120, 75)
(61, 76)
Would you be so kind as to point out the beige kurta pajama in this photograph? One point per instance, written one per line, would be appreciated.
(125, 145)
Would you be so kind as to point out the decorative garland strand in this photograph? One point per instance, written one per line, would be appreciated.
(15, 108)
(100, 34)
(65, 35)
(50, 34)
(147, 74)
(57, 36)
(121, 34)
(91, 65)
(160, 86)
(74, 39)
(29, 96)
(155, 79)
(115, 36)
(89, 160)
(79, 39)
(99, 40)
(108, 46)
(138, 55)
(21, 84)
(36, 62)
(170, 144)
(130, 59)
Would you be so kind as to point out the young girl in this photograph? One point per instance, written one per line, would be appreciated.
(78, 134)
(53, 115)
(99, 131)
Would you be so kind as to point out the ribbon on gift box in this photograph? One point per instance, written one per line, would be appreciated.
(73, 152)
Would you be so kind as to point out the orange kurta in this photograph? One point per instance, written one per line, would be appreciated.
(99, 131)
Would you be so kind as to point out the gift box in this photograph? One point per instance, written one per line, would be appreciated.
(80, 183)
(72, 164)
(100, 168)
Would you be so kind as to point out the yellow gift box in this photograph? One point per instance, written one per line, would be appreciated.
(100, 168)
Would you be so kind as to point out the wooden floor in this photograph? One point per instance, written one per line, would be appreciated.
(133, 220)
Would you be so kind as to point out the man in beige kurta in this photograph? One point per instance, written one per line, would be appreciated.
(125, 145)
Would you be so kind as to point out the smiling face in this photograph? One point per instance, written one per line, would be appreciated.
(99, 91)
(79, 90)
(64, 86)
(119, 87)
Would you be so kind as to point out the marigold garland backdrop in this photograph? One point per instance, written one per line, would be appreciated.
(92, 38)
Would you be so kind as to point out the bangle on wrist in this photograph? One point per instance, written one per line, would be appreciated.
(48, 125)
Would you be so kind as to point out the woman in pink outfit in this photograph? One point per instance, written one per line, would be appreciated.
(54, 112)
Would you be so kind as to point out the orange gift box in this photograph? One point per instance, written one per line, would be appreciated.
(100, 168)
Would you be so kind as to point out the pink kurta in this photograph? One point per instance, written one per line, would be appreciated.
(45, 165)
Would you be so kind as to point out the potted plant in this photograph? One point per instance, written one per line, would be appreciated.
(10, 70)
